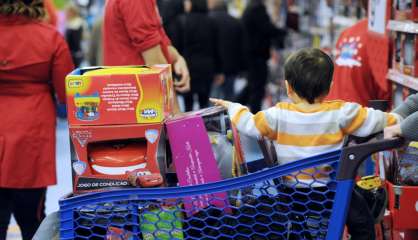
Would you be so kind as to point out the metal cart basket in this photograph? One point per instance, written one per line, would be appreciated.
(306, 199)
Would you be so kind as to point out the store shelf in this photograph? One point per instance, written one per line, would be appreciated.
(344, 21)
(403, 79)
(403, 26)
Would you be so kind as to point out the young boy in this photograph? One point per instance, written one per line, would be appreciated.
(309, 125)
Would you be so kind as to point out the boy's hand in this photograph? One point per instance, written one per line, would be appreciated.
(220, 102)
(393, 131)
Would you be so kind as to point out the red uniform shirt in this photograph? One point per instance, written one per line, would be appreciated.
(353, 78)
(131, 27)
(34, 60)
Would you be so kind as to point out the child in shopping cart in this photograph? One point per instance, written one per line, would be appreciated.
(308, 125)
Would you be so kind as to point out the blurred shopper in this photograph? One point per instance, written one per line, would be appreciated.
(34, 60)
(133, 35)
(261, 32)
(353, 77)
(51, 12)
(95, 52)
(196, 39)
(231, 47)
(75, 30)
(171, 10)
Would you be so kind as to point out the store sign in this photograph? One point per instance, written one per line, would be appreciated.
(377, 16)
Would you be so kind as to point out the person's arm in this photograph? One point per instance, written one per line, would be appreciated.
(154, 55)
(407, 129)
(361, 122)
(261, 124)
(62, 64)
(181, 69)
(408, 107)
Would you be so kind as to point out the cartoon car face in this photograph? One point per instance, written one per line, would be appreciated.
(144, 178)
(117, 158)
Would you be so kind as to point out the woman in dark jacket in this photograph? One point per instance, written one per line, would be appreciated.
(196, 41)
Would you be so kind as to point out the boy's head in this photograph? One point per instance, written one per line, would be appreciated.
(309, 74)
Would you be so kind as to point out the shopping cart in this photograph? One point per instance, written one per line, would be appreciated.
(276, 203)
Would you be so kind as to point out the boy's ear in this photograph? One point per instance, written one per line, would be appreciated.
(289, 89)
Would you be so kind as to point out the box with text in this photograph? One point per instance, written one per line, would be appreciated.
(119, 95)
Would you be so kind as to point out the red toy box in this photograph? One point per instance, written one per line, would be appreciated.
(106, 157)
(119, 95)
(405, 9)
(403, 205)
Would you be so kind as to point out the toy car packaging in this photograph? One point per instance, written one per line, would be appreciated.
(117, 156)
(206, 148)
(119, 95)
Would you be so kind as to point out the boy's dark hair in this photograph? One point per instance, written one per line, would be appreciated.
(309, 72)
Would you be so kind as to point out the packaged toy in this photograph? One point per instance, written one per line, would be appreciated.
(117, 156)
(119, 95)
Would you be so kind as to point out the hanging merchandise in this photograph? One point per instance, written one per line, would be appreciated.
(405, 10)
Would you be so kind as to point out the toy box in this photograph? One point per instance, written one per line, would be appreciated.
(397, 51)
(104, 157)
(410, 56)
(405, 57)
(206, 148)
(119, 95)
(403, 205)
(405, 10)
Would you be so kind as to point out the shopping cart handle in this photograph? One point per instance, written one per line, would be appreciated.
(353, 156)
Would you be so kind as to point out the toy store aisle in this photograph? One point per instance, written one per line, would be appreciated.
(63, 187)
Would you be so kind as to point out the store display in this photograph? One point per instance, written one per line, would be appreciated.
(405, 58)
(410, 54)
(408, 166)
(106, 157)
(405, 9)
(397, 55)
(119, 95)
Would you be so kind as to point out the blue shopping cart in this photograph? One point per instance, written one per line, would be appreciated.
(276, 203)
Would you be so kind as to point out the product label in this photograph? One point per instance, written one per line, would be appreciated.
(84, 184)
(119, 97)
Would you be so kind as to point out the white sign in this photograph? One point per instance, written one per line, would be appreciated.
(377, 16)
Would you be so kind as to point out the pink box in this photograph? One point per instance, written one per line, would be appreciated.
(193, 158)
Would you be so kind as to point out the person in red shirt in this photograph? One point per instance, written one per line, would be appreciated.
(51, 13)
(353, 78)
(133, 35)
(34, 60)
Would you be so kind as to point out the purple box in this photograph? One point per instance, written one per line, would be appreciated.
(193, 157)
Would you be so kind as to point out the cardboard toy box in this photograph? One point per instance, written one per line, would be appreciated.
(397, 51)
(410, 55)
(206, 148)
(119, 95)
(405, 57)
(403, 205)
(103, 157)
(405, 10)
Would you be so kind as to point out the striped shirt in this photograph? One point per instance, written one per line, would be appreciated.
(299, 133)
